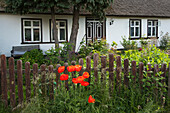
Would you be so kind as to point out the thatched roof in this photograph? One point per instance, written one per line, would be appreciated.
(144, 8)
(159, 8)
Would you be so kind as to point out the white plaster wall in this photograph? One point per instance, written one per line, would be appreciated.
(120, 27)
(10, 31)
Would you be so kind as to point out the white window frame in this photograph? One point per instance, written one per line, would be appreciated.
(135, 26)
(152, 26)
(32, 28)
(58, 29)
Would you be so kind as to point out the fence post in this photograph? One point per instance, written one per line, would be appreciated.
(66, 72)
(51, 88)
(57, 77)
(73, 73)
(12, 81)
(156, 68)
(111, 69)
(118, 72)
(88, 67)
(103, 69)
(141, 68)
(20, 81)
(35, 75)
(169, 82)
(95, 60)
(81, 63)
(43, 77)
(163, 69)
(28, 82)
(4, 80)
(134, 70)
(126, 72)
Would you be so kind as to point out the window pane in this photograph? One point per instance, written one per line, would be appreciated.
(137, 31)
(27, 34)
(149, 31)
(137, 23)
(132, 31)
(62, 24)
(132, 23)
(149, 23)
(27, 23)
(89, 32)
(62, 34)
(36, 34)
(35, 23)
(153, 31)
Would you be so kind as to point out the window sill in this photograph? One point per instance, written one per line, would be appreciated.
(41, 42)
(143, 38)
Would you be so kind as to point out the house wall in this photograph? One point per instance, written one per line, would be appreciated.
(10, 31)
(120, 27)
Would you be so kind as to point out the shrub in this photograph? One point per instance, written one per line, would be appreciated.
(150, 55)
(60, 55)
(165, 41)
(33, 56)
(128, 44)
(100, 47)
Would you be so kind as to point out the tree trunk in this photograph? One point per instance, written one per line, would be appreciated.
(75, 27)
(55, 30)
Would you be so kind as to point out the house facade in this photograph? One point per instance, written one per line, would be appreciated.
(130, 18)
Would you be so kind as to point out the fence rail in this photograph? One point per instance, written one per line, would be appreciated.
(114, 73)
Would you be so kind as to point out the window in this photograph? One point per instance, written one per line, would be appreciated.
(135, 28)
(31, 30)
(62, 30)
(152, 28)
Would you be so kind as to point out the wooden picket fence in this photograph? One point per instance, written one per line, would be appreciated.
(43, 71)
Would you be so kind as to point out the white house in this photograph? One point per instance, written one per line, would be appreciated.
(134, 18)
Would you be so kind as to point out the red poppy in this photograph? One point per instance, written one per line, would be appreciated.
(61, 69)
(140, 49)
(84, 83)
(91, 99)
(80, 79)
(78, 68)
(74, 80)
(86, 75)
(64, 77)
(71, 68)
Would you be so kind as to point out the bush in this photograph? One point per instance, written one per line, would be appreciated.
(165, 41)
(128, 44)
(33, 56)
(100, 47)
(150, 55)
(60, 55)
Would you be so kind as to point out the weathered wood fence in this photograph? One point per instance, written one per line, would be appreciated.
(43, 71)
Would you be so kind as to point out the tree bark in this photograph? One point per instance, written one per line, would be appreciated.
(75, 28)
(55, 30)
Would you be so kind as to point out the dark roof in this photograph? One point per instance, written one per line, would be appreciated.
(143, 8)
(158, 8)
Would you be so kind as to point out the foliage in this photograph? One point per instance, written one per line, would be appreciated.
(60, 55)
(52, 56)
(33, 56)
(143, 42)
(165, 41)
(151, 55)
(99, 47)
(126, 100)
(128, 44)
